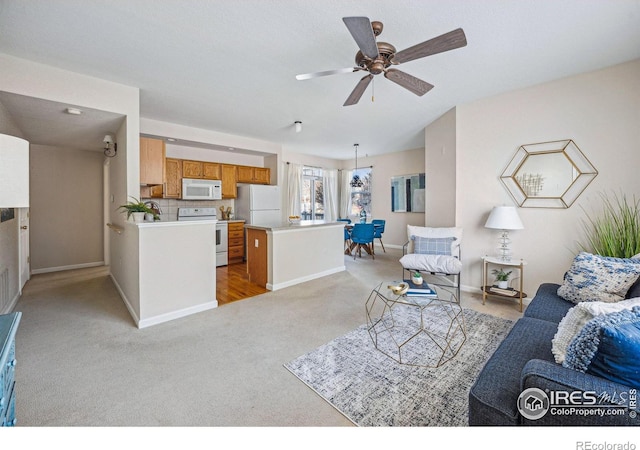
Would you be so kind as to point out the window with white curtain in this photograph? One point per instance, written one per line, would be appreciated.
(312, 194)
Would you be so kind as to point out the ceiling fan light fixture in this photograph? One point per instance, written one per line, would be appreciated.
(377, 57)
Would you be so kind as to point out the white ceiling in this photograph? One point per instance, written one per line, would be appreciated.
(230, 65)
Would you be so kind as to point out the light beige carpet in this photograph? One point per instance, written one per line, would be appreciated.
(82, 361)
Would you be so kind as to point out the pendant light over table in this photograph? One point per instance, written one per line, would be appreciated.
(355, 180)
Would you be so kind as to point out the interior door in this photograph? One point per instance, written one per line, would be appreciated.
(25, 266)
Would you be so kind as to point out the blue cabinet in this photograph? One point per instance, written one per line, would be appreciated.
(8, 327)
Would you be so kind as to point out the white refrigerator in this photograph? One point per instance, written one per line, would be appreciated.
(259, 204)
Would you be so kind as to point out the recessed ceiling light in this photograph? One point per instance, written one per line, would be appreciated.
(171, 140)
(74, 111)
(231, 148)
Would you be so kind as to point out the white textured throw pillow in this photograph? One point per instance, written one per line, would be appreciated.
(577, 317)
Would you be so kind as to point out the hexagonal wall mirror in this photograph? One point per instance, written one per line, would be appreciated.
(548, 174)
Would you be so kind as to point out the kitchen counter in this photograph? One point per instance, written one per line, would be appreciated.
(283, 254)
(171, 223)
(177, 269)
(283, 226)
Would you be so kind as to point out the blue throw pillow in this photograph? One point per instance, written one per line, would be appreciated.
(608, 346)
(634, 291)
(599, 278)
(432, 246)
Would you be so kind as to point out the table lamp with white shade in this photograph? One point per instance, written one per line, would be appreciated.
(504, 218)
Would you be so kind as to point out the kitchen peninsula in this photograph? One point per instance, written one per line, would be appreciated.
(177, 269)
(282, 255)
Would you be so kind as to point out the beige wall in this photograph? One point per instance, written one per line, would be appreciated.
(440, 156)
(384, 167)
(66, 208)
(7, 124)
(24, 77)
(599, 110)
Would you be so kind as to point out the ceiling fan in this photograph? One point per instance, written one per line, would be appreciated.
(378, 57)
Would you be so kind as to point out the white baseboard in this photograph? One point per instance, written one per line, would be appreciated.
(8, 309)
(277, 286)
(471, 289)
(125, 300)
(177, 314)
(162, 317)
(70, 267)
(390, 245)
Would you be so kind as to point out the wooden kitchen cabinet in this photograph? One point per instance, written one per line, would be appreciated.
(262, 175)
(201, 169)
(253, 175)
(257, 257)
(211, 171)
(236, 242)
(173, 178)
(152, 155)
(192, 169)
(229, 181)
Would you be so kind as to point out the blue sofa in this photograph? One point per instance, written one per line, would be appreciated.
(524, 360)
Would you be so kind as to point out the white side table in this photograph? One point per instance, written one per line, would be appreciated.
(487, 289)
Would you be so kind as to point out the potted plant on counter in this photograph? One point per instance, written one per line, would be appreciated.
(137, 209)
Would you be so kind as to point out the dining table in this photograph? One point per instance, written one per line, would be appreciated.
(356, 247)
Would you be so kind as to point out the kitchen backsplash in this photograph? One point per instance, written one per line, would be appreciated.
(169, 207)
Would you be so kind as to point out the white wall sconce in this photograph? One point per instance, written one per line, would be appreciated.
(110, 146)
(298, 126)
(14, 172)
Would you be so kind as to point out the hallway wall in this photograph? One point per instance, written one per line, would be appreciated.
(66, 208)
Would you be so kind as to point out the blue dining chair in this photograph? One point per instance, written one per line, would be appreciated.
(378, 229)
(347, 235)
(362, 237)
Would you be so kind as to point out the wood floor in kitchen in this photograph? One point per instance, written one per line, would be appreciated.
(232, 284)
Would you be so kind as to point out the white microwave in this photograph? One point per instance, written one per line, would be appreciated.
(194, 189)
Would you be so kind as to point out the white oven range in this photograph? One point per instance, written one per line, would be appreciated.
(222, 240)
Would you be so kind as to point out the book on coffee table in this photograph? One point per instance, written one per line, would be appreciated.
(422, 290)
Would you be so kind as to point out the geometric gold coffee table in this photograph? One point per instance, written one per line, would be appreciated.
(415, 330)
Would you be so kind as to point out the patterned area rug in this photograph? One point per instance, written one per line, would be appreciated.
(372, 389)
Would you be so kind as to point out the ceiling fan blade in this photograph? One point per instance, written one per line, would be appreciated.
(308, 76)
(445, 42)
(360, 29)
(413, 84)
(359, 90)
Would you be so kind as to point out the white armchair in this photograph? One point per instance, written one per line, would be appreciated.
(434, 252)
